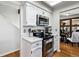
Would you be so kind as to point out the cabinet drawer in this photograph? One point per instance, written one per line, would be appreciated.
(36, 44)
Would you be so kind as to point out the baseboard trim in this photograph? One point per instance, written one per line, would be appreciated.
(10, 52)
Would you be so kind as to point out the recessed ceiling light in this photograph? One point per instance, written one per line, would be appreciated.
(52, 3)
(67, 14)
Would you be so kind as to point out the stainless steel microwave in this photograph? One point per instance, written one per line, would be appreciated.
(42, 20)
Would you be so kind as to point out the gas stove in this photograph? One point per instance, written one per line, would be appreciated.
(47, 45)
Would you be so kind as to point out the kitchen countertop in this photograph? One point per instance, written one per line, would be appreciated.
(32, 39)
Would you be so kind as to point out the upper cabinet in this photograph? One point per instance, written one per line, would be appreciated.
(31, 12)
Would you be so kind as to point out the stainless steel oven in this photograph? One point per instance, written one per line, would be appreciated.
(42, 20)
(47, 47)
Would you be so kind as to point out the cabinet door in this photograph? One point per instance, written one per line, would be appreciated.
(37, 52)
(39, 11)
(31, 15)
(25, 48)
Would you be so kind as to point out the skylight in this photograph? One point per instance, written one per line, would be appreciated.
(52, 3)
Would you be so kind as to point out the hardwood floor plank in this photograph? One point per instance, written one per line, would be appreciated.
(14, 54)
(67, 51)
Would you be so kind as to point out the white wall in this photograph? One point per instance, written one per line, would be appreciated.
(9, 30)
(11, 14)
(56, 30)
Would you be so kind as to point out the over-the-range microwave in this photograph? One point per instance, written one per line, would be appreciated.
(42, 20)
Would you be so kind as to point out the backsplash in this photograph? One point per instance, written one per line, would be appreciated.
(26, 28)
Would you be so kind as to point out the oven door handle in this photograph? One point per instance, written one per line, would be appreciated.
(48, 41)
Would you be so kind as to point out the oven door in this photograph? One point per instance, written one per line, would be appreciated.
(47, 47)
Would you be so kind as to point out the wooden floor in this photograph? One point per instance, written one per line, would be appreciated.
(67, 51)
(14, 54)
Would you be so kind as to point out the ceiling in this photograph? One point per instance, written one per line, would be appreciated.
(67, 13)
(62, 4)
(52, 3)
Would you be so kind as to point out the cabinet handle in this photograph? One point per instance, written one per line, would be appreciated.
(37, 44)
(31, 52)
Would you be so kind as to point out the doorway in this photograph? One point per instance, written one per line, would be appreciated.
(69, 27)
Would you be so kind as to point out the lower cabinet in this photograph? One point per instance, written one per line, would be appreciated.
(31, 49)
(36, 52)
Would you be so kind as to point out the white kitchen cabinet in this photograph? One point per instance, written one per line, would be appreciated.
(37, 52)
(29, 48)
(39, 11)
(31, 14)
(32, 11)
(23, 15)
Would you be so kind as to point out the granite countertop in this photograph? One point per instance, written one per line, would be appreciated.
(31, 39)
